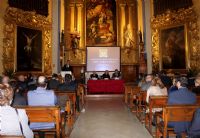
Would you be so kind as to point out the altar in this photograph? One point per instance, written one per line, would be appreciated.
(105, 86)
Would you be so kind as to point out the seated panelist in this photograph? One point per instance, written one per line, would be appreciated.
(116, 74)
(106, 75)
(94, 76)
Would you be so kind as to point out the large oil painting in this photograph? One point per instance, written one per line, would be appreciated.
(29, 49)
(101, 22)
(173, 47)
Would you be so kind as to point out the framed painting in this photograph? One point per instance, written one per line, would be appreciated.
(29, 49)
(173, 53)
(100, 23)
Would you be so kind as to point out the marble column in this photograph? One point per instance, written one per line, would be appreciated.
(80, 23)
(56, 36)
(122, 24)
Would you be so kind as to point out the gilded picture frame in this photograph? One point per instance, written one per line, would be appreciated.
(170, 21)
(16, 40)
(173, 48)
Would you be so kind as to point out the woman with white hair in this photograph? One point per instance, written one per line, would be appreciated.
(12, 121)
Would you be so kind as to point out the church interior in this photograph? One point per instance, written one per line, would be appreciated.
(99, 68)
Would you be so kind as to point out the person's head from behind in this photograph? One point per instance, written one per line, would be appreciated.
(197, 81)
(154, 81)
(5, 80)
(149, 78)
(21, 78)
(68, 78)
(41, 82)
(181, 82)
(161, 82)
(54, 76)
(6, 95)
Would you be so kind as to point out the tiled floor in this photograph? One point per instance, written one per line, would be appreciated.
(108, 118)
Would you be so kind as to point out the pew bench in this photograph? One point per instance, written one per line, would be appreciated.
(173, 113)
(141, 105)
(44, 114)
(154, 102)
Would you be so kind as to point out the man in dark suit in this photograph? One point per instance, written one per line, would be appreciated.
(116, 74)
(106, 75)
(94, 75)
(53, 82)
(67, 67)
(181, 96)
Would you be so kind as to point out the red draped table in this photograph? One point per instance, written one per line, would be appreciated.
(105, 86)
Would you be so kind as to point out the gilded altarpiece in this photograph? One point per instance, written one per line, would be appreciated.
(172, 21)
(102, 23)
(16, 18)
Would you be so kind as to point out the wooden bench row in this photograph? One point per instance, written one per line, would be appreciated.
(156, 102)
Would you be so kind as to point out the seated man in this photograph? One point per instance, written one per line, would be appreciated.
(53, 82)
(145, 86)
(94, 76)
(68, 85)
(116, 74)
(106, 75)
(196, 89)
(41, 97)
(181, 96)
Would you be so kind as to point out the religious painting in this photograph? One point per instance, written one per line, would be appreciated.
(173, 47)
(101, 22)
(29, 49)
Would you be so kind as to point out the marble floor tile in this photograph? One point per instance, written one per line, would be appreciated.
(108, 118)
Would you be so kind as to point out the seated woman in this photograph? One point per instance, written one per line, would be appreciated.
(116, 74)
(94, 76)
(157, 88)
(106, 75)
(12, 118)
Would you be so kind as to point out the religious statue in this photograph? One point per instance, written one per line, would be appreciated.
(75, 38)
(128, 37)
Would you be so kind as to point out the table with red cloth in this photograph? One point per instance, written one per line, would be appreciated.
(105, 86)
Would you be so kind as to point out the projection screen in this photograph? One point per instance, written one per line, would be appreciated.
(103, 58)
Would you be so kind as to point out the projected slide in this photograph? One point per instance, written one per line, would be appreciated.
(103, 58)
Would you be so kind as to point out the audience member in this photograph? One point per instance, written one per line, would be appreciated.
(67, 67)
(32, 82)
(94, 76)
(147, 84)
(196, 89)
(106, 75)
(41, 97)
(6, 81)
(116, 74)
(68, 85)
(157, 88)
(11, 118)
(181, 96)
(173, 87)
(53, 82)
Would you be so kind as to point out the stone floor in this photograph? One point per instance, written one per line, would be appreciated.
(107, 118)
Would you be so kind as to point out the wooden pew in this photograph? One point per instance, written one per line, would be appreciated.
(134, 91)
(81, 93)
(127, 93)
(173, 113)
(141, 104)
(154, 102)
(71, 95)
(44, 114)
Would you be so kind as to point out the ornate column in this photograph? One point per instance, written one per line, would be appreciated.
(72, 17)
(80, 23)
(122, 24)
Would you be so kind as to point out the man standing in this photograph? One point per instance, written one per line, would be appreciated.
(67, 66)
(181, 96)
(41, 97)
